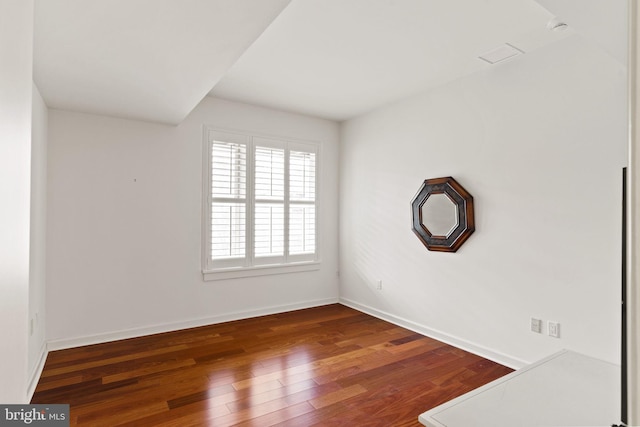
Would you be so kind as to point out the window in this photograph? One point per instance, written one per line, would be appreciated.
(260, 205)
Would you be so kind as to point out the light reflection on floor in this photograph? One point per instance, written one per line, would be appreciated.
(266, 381)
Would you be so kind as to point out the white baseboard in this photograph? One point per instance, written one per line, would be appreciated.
(495, 356)
(63, 343)
(34, 377)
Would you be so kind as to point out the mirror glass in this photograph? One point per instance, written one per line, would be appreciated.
(439, 214)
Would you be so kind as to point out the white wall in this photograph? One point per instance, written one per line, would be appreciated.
(37, 245)
(16, 59)
(539, 141)
(124, 225)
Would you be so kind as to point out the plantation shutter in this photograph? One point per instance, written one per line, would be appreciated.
(261, 208)
(302, 207)
(228, 202)
(269, 217)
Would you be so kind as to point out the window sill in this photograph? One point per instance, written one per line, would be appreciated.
(261, 270)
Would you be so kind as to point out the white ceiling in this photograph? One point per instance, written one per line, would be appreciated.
(143, 59)
(156, 59)
(340, 58)
(604, 22)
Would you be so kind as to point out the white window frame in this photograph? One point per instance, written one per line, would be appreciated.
(249, 265)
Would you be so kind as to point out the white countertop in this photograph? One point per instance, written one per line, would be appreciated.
(564, 389)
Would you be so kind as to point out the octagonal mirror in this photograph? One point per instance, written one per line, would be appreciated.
(439, 214)
(442, 214)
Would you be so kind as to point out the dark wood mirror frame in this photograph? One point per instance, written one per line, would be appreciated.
(465, 225)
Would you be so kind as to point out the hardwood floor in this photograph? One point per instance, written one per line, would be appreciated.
(324, 366)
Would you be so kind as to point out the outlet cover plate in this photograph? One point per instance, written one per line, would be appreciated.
(536, 325)
(554, 329)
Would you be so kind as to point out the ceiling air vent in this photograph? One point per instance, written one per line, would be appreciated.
(501, 53)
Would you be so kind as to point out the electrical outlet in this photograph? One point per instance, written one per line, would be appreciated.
(536, 325)
(379, 285)
(554, 329)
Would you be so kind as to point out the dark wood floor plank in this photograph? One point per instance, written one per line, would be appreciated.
(325, 366)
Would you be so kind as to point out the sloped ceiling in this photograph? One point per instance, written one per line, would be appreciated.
(340, 58)
(156, 59)
(143, 59)
(602, 22)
